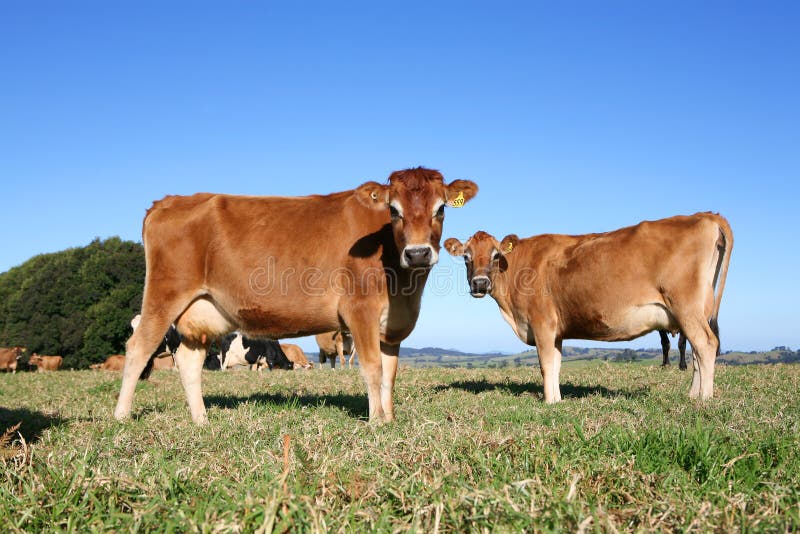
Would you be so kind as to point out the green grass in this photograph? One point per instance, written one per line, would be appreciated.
(472, 450)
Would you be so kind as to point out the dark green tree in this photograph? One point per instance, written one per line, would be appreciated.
(76, 303)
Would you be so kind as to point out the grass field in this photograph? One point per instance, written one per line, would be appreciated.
(472, 450)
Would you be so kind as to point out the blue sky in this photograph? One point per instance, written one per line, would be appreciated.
(573, 117)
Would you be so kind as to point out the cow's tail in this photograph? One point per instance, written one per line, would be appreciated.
(724, 246)
(148, 368)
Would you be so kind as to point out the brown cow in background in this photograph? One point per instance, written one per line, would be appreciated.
(335, 344)
(295, 355)
(9, 358)
(45, 363)
(112, 363)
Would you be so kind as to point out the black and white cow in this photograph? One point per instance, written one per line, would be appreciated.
(236, 349)
(213, 360)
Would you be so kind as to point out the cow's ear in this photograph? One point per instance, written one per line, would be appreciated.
(373, 195)
(509, 243)
(459, 192)
(454, 247)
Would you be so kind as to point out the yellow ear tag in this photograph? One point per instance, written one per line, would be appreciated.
(457, 202)
(509, 246)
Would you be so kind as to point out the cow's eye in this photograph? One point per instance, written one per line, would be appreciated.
(495, 255)
(440, 212)
(467, 257)
(394, 213)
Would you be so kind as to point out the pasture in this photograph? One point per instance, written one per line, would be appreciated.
(472, 450)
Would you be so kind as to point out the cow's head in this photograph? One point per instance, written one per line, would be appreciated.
(35, 359)
(485, 257)
(415, 200)
(19, 351)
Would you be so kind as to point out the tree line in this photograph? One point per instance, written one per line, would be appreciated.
(76, 303)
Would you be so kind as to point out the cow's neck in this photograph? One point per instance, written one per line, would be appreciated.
(501, 293)
(405, 289)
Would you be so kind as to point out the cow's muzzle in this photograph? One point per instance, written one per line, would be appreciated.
(479, 286)
(419, 256)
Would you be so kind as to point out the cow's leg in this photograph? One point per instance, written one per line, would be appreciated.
(550, 362)
(341, 357)
(389, 359)
(350, 360)
(704, 349)
(189, 359)
(664, 347)
(682, 350)
(364, 327)
(145, 339)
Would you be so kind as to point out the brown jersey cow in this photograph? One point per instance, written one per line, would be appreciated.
(45, 363)
(276, 267)
(334, 345)
(657, 275)
(9, 358)
(112, 363)
(295, 355)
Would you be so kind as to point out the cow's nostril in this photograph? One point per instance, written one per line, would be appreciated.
(418, 257)
(479, 286)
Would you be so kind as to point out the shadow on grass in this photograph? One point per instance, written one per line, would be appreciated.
(33, 423)
(357, 406)
(516, 388)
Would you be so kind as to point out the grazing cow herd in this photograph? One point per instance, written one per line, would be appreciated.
(234, 272)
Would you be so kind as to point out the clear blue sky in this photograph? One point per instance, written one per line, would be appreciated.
(573, 117)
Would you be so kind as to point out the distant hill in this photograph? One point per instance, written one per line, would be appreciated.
(776, 355)
(436, 351)
(438, 357)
